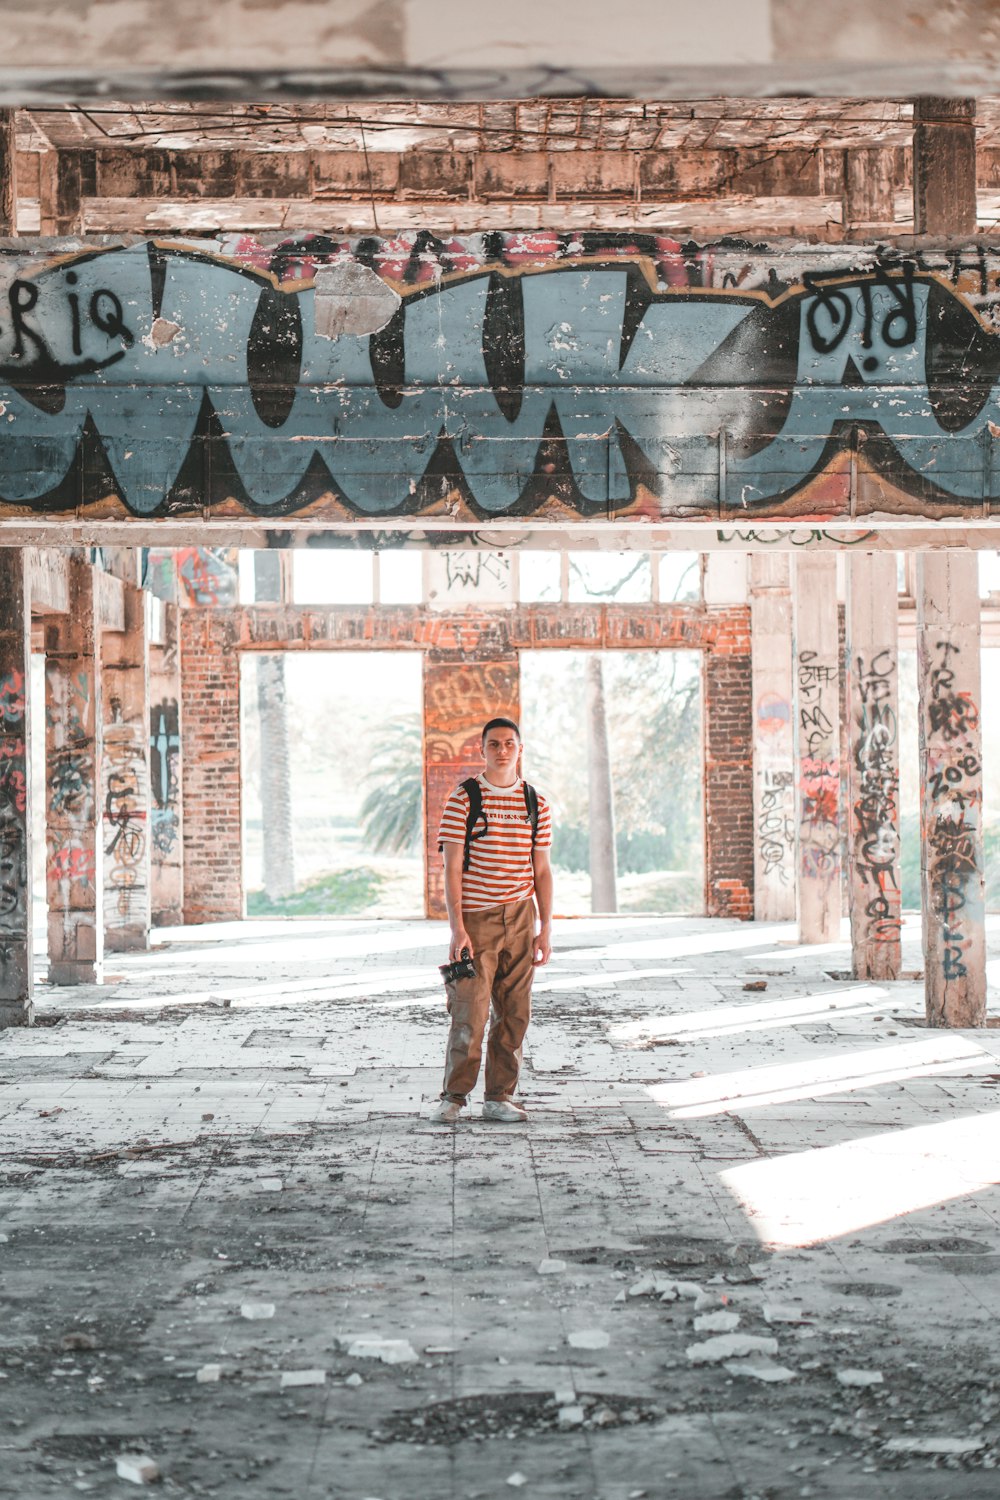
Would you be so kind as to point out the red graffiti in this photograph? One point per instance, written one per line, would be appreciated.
(72, 863)
(12, 697)
(820, 787)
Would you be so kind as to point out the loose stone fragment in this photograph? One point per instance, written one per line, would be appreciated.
(860, 1377)
(664, 1287)
(935, 1445)
(269, 1184)
(730, 1346)
(354, 1379)
(759, 1369)
(516, 1479)
(389, 1351)
(590, 1338)
(76, 1339)
(138, 1468)
(208, 1374)
(571, 1416)
(551, 1267)
(783, 1312)
(717, 1322)
(302, 1377)
(255, 1310)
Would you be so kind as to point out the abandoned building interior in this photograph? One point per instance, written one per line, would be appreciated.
(501, 346)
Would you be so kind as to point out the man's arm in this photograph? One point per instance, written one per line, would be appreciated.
(542, 867)
(453, 857)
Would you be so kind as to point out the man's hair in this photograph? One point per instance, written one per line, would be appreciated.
(499, 724)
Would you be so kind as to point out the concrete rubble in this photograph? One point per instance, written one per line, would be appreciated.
(417, 1341)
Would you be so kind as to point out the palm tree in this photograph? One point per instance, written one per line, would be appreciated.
(392, 812)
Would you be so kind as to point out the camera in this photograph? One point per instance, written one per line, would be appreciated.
(462, 968)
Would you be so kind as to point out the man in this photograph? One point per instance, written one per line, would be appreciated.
(492, 911)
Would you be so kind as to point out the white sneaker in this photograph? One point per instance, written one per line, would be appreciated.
(446, 1112)
(506, 1111)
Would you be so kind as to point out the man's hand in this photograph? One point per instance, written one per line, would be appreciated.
(459, 939)
(542, 945)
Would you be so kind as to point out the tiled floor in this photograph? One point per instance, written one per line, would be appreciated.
(238, 1117)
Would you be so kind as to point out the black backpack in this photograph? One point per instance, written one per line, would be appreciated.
(474, 792)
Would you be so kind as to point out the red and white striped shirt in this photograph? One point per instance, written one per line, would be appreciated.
(500, 869)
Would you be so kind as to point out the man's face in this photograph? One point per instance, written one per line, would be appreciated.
(500, 752)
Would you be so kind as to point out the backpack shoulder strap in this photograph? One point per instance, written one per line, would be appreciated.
(531, 803)
(474, 792)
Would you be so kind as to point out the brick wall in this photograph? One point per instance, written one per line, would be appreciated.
(728, 717)
(471, 671)
(210, 766)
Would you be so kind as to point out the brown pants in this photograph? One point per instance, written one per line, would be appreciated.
(503, 939)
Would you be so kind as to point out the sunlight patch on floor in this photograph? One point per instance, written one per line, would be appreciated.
(814, 1196)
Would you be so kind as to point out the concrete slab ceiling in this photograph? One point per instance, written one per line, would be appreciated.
(446, 49)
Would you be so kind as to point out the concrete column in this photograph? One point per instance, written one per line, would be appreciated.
(817, 717)
(873, 764)
(944, 166)
(951, 788)
(459, 697)
(773, 737)
(125, 699)
(16, 1007)
(166, 808)
(73, 799)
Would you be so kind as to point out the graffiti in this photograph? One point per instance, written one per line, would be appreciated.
(13, 765)
(953, 810)
(164, 754)
(12, 700)
(470, 570)
(71, 780)
(593, 370)
(13, 773)
(72, 863)
(774, 537)
(776, 824)
(14, 888)
(13, 869)
(876, 805)
(208, 575)
(819, 768)
(126, 883)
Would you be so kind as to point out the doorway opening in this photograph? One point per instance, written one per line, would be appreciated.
(648, 704)
(332, 783)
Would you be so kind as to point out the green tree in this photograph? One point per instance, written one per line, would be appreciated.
(392, 811)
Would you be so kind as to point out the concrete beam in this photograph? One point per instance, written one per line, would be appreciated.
(748, 388)
(448, 49)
